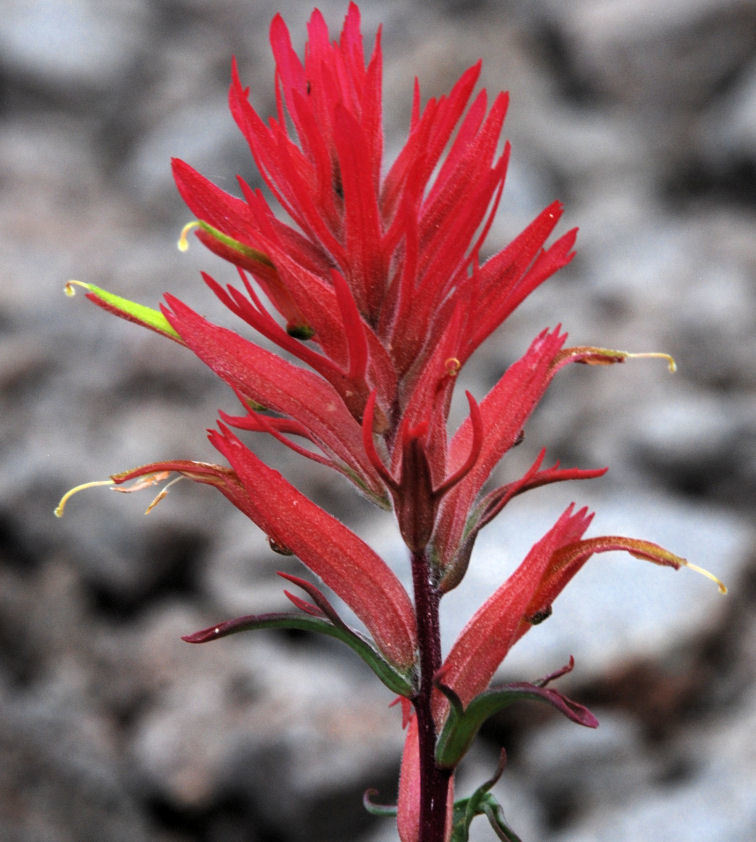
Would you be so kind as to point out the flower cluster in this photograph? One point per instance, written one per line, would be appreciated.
(374, 286)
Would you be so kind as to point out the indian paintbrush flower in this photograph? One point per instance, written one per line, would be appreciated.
(375, 287)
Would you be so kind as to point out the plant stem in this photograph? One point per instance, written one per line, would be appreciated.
(434, 782)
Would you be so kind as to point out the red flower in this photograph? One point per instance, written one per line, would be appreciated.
(376, 288)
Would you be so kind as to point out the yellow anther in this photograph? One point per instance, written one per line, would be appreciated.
(452, 366)
(160, 494)
(69, 290)
(183, 243)
(721, 585)
(142, 482)
(67, 496)
(671, 364)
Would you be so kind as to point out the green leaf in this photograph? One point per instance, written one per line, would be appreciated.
(394, 680)
(462, 725)
(385, 810)
(482, 803)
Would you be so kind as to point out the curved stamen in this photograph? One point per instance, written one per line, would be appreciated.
(590, 355)
(452, 366)
(671, 364)
(75, 490)
(69, 290)
(719, 583)
(183, 242)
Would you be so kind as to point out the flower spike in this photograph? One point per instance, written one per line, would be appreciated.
(365, 299)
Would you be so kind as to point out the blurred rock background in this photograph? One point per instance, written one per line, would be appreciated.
(642, 119)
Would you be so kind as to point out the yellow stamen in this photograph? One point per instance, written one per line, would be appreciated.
(452, 366)
(69, 290)
(589, 355)
(183, 243)
(67, 496)
(721, 585)
(671, 364)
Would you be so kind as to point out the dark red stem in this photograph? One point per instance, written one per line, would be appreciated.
(434, 782)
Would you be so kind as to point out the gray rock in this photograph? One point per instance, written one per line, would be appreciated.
(70, 46)
(709, 800)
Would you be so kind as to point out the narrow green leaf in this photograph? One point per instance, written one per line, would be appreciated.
(461, 728)
(395, 681)
(480, 803)
(386, 810)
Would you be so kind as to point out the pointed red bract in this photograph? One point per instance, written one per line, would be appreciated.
(334, 553)
(525, 600)
(342, 560)
(408, 807)
(408, 814)
(269, 380)
(504, 412)
(489, 635)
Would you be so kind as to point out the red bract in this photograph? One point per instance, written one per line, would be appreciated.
(381, 274)
(374, 287)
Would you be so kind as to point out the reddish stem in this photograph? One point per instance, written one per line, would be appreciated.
(434, 782)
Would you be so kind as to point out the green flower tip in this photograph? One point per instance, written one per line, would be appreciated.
(125, 309)
(224, 239)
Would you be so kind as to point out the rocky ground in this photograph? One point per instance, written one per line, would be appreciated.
(643, 121)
